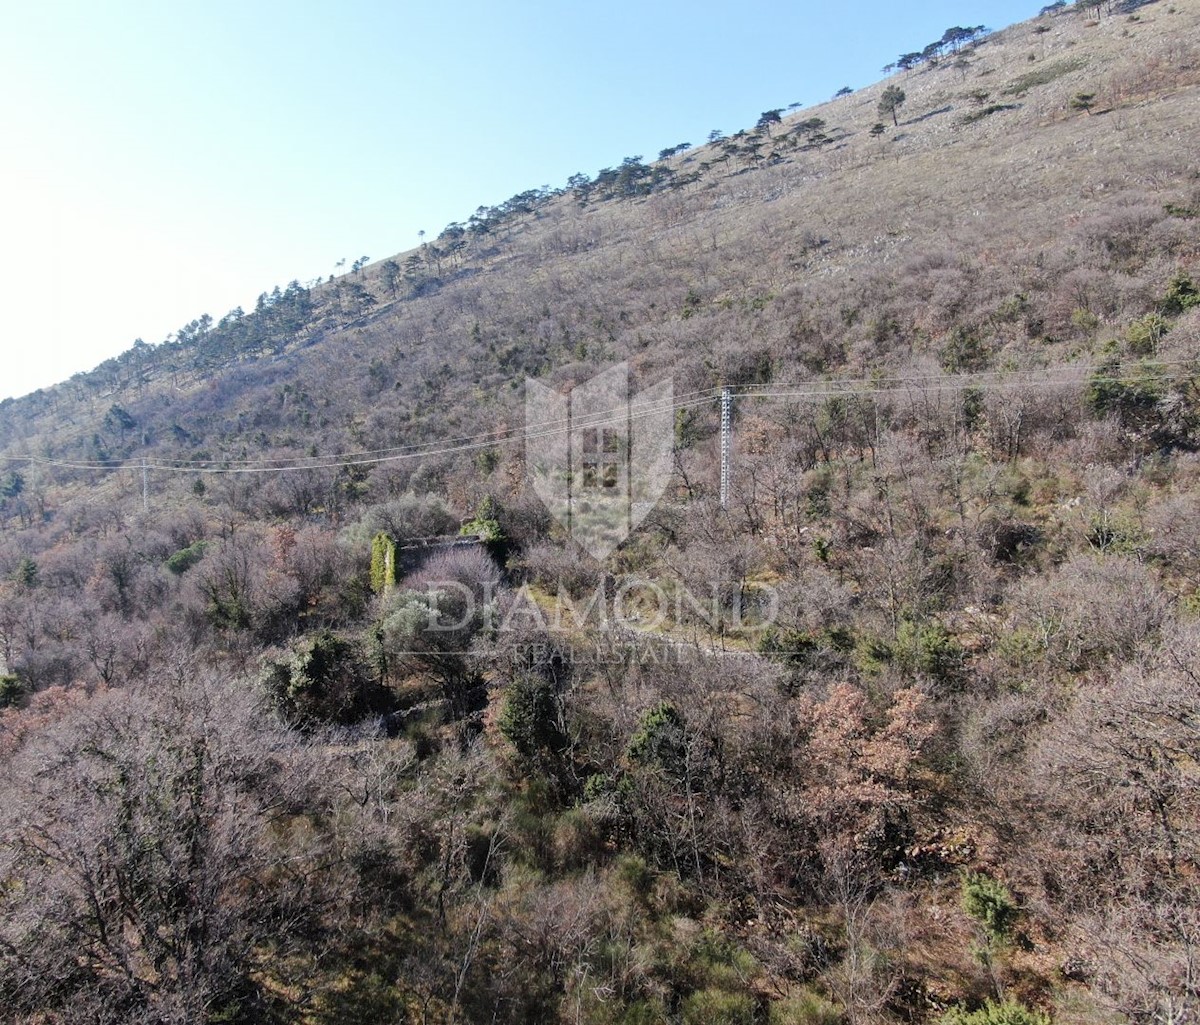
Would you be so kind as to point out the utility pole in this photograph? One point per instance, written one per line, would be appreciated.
(726, 437)
(145, 487)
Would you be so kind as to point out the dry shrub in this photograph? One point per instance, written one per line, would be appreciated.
(1020, 421)
(1122, 234)
(468, 566)
(1091, 609)
(410, 516)
(146, 874)
(1182, 342)
(1097, 442)
(1173, 526)
(995, 731)
(1114, 773)
(815, 600)
(1178, 66)
(554, 567)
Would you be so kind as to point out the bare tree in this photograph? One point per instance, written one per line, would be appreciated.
(145, 883)
(1115, 775)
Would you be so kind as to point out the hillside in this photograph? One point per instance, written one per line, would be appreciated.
(1023, 201)
(310, 711)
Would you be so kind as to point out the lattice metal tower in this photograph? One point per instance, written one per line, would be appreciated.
(726, 438)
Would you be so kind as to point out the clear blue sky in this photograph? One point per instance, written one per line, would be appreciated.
(166, 160)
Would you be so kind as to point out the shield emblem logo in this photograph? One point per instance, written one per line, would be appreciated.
(598, 458)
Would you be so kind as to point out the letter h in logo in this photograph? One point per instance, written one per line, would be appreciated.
(603, 461)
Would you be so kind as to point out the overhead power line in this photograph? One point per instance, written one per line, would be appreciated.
(1016, 380)
(604, 418)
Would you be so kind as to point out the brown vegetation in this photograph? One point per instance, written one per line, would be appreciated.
(954, 778)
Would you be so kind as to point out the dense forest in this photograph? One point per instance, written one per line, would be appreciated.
(311, 712)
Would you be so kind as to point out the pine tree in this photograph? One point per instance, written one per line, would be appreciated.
(892, 99)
